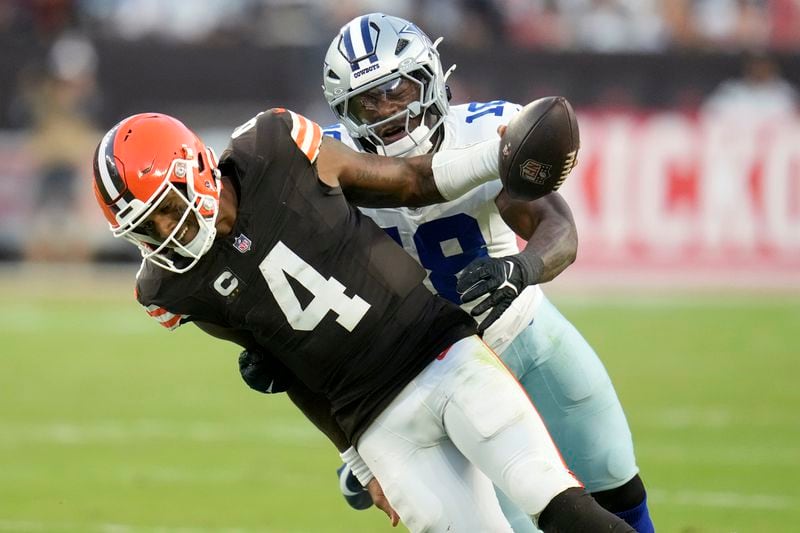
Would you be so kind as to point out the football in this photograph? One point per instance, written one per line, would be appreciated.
(539, 148)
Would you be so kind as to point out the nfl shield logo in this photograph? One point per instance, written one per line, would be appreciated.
(535, 171)
(242, 243)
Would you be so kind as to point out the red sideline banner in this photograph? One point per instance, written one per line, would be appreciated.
(709, 199)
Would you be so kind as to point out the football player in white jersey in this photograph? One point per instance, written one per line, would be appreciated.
(384, 81)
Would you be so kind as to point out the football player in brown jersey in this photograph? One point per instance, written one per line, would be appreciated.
(262, 247)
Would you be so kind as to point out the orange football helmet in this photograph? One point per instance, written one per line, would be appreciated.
(137, 164)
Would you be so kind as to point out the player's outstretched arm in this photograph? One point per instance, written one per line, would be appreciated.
(263, 374)
(548, 226)
(317, 408)
(258, 370)
(266, 375)
(377, 181)
(552, 245)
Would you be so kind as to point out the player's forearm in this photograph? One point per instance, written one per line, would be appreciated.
(548, 227)
(556, 244)
(449, 174)
(314, 406)
(422, 180)
(389, 182)
(317, 409)
(243, 338)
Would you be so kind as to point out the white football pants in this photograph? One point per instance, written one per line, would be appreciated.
(462, 424)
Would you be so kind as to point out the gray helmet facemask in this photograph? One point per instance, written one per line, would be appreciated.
(373, 51)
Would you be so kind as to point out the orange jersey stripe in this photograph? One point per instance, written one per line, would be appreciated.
(316, 142)
(307, 134)
(164, 317)
(300, 138)
(158, 311)
(172, 323)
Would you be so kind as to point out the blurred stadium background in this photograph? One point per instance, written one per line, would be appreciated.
(687, 199)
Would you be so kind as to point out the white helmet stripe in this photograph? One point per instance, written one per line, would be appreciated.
(110, 185)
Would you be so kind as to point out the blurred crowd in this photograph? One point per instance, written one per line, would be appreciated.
(565, 25)
(52, 117)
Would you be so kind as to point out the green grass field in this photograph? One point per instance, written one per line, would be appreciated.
(111, 424)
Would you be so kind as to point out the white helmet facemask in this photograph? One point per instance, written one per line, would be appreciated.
(203, 209)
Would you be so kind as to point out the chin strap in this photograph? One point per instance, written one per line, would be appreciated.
(199, 245)
(409, 146)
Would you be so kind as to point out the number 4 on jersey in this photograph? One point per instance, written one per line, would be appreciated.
(329, 295)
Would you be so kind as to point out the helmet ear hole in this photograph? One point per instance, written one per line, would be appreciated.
(401, 45)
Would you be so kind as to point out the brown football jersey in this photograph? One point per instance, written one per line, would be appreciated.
(318, 284)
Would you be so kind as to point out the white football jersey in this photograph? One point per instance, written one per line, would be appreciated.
(446, 237)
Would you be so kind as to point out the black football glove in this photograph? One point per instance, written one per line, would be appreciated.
(263, 373)
(502, 278)
(354, 494)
